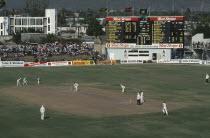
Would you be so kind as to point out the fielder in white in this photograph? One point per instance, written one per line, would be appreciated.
(123, 88)
(142, 97)
(165, 112)
(38, 80)
(18, 82)
(42, 110)
(207, 78)
(24, 81)
(138, 97)
(76, 86)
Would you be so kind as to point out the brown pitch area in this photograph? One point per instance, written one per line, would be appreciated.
(87, 101)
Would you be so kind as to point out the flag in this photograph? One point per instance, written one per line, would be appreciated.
(143, 11)
(129, 9)
(103, 10)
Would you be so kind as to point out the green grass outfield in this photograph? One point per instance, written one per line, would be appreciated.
(169, 82)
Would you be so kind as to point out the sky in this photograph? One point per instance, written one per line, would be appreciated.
(120, 4)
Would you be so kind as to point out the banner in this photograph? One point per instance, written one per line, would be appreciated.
(59, 63)
(12, 63)
(170, 45)
(83, 62)
(122, 19)
(107, 62)
(120, 45)
(196, 61)
(35, 64)
(166, 18)
(131, 61)
(169, 61)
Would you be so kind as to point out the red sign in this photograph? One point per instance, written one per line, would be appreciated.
(31, 64)
(170, 45)
(166, 18)
(122, 19)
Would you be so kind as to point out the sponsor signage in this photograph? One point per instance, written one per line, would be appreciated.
(107, 62)
(12, 63)
(122, 19)
(83, 62)
(131, 61)
(120, 45)
(170, 45)
(34, 64)
(196, 61)
(59, 63)
(166, 18)
(132, 45)
(169, 61)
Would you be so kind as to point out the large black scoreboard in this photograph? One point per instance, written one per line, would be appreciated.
(145, 30)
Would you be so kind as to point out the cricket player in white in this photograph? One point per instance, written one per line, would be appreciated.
(24, 81)
(123, 88)
(207, 78)
(142, 97)
(42, 110)
(165, 112)
(138, 98)
(76, 86)
(18, 82)
(38, 80)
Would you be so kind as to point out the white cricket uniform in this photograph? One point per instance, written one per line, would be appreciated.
(123, 88)
(142, 97)
(165, 109)
(38, 80)
(24, 81)
(76, 86)
(42, 111)
(18, 82)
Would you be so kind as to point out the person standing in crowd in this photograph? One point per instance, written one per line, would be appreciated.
(18, 82)
(138, 98)
(123, 88)
(42, 111)
(207, 78)
(165, 112)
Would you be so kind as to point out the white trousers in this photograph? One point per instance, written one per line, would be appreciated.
(165, 111)
(123, 89)
(18, 83)
(42, 116)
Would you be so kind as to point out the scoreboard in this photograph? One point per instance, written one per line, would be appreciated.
(145, 30)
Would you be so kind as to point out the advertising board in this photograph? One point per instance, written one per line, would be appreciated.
(59, 63)
(83, 62)
(12, 63)
(35, 64)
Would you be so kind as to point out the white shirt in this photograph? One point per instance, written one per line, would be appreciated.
(138, 96)
(123, 87)
(142, 94)
(207, 76)
(42, 109)
(164, 105)
(76, 84)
